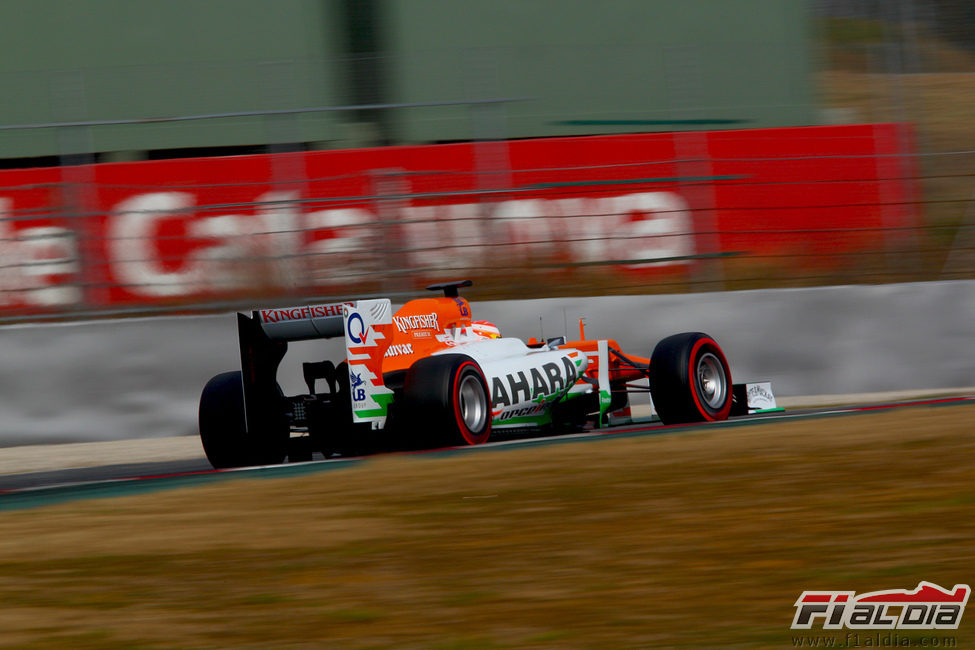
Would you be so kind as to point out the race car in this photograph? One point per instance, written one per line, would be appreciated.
(429, 375)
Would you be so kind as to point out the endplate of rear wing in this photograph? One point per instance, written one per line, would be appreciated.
(368, 328)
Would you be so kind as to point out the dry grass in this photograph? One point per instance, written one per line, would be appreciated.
(702, 538)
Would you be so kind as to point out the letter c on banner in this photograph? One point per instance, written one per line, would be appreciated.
(132, 245)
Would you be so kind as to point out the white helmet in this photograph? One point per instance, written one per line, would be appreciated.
(486, 329)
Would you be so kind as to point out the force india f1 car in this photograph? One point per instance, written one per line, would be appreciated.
(429, 376)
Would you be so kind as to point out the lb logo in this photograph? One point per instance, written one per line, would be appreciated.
(357, 334)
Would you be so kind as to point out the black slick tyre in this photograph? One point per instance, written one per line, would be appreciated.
(690, 380)
(223, 431)
(447, 401)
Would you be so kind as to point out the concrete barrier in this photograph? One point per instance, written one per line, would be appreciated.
(140, 378)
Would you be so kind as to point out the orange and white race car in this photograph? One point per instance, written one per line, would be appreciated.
(430, 376)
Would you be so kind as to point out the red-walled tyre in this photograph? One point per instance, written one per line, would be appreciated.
(447, 401)
(690, 380)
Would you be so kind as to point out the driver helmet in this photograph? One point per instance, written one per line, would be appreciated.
(485, 329)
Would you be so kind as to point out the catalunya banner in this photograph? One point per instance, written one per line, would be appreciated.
(191, 231)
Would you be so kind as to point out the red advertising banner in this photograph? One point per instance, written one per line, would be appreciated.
(177, 231)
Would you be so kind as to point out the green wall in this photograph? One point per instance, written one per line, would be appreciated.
(601, 67)
(65, 60)
(583, 66)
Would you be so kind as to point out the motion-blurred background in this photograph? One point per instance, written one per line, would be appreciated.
(199, 156)
(193, 155)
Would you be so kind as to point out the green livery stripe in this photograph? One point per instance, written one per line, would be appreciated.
(525, 420)
(570, 396)
(384, 400)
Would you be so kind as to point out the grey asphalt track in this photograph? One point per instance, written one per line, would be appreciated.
(147, 476)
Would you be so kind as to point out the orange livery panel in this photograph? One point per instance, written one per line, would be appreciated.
(422, 327)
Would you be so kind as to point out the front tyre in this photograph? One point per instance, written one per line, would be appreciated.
(448, 401)
(690, 380)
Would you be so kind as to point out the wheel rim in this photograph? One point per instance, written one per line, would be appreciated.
(711, 382)
(473, 403)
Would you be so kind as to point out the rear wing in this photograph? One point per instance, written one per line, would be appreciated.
(263, 337)
(302, 323)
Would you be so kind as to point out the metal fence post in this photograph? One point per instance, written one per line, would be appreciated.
(75, 146)
(492, 163)
(279, 82)
(694, 161)
(390, 189)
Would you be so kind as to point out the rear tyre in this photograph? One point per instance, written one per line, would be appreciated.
(223, 433)
(690, 380)
(447, 401)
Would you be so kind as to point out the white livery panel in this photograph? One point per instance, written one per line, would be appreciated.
(523, 381)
